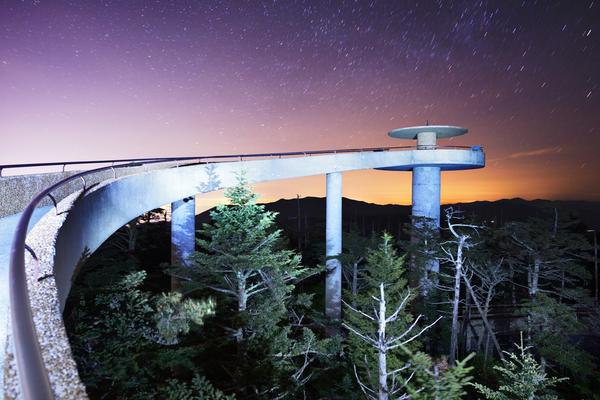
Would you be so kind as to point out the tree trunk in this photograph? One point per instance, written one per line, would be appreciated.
(306, 231)
(242, 301)
(486, 349)
(484, 318)
(486, 309)
(354, 279)
(464, 324)
(535, 277)
(457, 276)
(383, 388)
(513, 292)
(533, 289)
(562, 286)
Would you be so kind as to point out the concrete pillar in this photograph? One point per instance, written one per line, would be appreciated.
(426, 140)
(333, 247)
(183, 231)
(426, 200)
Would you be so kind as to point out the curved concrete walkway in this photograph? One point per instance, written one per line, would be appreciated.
(7, 230)
(87, 218)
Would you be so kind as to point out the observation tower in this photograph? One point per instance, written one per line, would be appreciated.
(426, 170)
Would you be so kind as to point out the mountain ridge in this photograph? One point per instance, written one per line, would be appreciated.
(496, 212)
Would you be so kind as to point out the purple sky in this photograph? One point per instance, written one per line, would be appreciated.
(95, 80)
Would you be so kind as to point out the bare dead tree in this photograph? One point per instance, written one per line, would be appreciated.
(489, 275)
(388, 383)
(454, 251)
(550, 256)
(484, 318)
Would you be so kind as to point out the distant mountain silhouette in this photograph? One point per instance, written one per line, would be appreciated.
(517, 209)
(368, 217)
(307, 233)
(493, 212)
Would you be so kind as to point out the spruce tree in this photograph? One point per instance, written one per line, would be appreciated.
(241, 258)
(355, 247)
(383, 266)
(409, 371)
(436, 380)
(122, 337)
(521, 378)
(243, 262)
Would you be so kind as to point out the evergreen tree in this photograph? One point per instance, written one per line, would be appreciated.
(355, 248)
(437, 380)
(383, 380)
(383, 265)
(521, 378)
(198, 389)
(242, 260)
(554, 325)
(173, 315)
(118, 332)
(409, 370)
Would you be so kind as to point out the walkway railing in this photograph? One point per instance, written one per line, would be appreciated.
(199, 159)
(32, 374)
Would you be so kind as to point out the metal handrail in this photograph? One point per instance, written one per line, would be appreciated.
(32, 373)
(251, 155)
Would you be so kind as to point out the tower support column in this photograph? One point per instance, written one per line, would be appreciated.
(426, 202)
(183, 231)
(333, 248)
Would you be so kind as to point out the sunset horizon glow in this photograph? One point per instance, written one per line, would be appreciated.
(109, 80)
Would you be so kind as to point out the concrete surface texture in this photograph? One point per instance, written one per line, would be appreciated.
(89, 217)
(333, 246)
(426, 202)
(7, 229)
(441, 131)
(426, 178)
(183, 231)
(426, 193)
(17, 191)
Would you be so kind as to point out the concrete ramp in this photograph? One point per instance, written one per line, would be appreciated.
(86, 218)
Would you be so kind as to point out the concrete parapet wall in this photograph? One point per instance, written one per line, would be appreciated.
(46, 311)
(17, 191)
(85, 219)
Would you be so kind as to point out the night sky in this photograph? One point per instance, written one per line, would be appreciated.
(95, 80)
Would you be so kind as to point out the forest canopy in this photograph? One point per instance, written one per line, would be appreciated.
(509, 315)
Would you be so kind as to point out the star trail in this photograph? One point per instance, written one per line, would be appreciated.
(94, 80)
